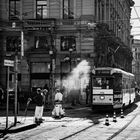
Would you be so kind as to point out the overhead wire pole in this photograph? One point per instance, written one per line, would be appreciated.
(16, 66)
(15, 77)
(16, 84)
(7, 101)
(16, 70)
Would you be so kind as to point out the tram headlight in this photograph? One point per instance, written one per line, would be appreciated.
(102, 97)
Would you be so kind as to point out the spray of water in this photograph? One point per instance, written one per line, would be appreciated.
(78, 78)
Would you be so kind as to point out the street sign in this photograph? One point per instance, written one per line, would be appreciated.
(9, 63)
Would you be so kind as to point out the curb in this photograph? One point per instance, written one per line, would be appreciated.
(18, 129)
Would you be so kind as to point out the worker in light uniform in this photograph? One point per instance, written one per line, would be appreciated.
(39, 106)
(58, 110)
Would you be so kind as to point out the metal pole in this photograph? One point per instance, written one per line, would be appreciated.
(22, 44)
(51, 75)
(52, 80)
(70, 50)
(70, 61)
(15, 86)
(7, 104)
(61, 73)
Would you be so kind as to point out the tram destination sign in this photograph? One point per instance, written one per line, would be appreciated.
(9, 63)
(102, 71)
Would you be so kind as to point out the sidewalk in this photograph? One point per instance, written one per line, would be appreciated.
(24, 121)
(21, 125)
(25, 118)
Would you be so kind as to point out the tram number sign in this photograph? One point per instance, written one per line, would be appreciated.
(9, 63)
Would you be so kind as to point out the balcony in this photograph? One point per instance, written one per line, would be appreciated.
(36, 24)
(74, 24)
(29, 24)
(46, 24)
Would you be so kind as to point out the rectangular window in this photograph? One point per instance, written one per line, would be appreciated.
(14, 9)
(40, 67)
(68, 9)
(68, 42)
(41, 42)
(41, 9)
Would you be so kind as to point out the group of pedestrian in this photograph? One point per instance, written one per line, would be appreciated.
(58, 111)
(40, 101)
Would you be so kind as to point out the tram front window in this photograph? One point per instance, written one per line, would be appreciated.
(117, 83)
(102, 83)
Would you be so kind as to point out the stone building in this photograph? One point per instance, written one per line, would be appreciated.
(136, 60)
(56, 35)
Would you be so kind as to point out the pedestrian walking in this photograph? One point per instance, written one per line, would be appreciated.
(39, 106)
(45, 95)
(46, 89)
(58, 110)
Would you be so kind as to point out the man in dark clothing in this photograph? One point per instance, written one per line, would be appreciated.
(38, 99)
(47, 92)
(87, 94)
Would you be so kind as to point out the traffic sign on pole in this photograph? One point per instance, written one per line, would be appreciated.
(9, 63)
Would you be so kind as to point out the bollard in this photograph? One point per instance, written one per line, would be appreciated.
(106, 121)
(122, 116)
(114, 117)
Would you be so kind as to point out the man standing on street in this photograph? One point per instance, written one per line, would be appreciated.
(87, 94)
(39, 106)
(58, 109)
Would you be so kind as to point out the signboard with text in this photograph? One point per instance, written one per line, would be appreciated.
(9, 63)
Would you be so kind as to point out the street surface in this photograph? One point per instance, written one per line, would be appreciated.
(132, 132)
(83, 124)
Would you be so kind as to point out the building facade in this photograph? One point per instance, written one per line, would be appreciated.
(56, 35)
(136, 60)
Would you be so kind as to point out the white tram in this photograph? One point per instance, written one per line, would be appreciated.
(112, 87)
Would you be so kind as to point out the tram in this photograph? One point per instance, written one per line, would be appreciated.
(112, 87)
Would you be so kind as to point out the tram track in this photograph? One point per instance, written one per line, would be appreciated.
(77, 132)
(62, 124)
(123, 128)
(43, 129)
(110, 138)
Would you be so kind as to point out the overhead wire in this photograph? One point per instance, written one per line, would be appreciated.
(136, 13)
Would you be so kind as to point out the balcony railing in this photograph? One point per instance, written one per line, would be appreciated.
(34, 24)
(46, 24)
(29, 24)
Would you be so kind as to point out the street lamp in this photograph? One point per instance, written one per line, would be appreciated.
(70, 51)
(51, 72)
